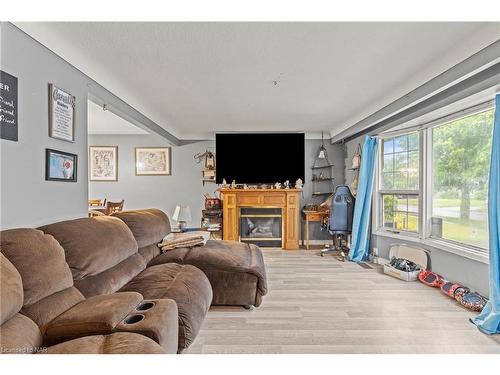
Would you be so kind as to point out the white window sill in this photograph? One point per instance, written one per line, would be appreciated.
(464, 251)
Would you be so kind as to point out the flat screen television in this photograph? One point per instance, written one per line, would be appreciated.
(259, 158)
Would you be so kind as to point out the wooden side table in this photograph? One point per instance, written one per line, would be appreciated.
(308, 217)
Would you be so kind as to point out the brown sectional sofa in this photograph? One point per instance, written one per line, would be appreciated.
(102, 255)
(19, 334)
(58, 309)
(101, 285)
(235, 270)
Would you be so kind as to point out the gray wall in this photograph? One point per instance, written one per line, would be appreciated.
(183, 187)
(26, 198)
(470, 272)
(336, 157)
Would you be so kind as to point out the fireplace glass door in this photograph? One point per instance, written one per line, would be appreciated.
(261, 226)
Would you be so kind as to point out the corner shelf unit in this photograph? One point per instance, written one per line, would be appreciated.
(322, 166)
(322, 174)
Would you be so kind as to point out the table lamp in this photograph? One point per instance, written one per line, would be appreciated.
(182, 214)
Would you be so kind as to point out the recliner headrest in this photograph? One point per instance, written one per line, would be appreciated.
(93, 245)
(11, 290)
(40, 261)
(149, 226)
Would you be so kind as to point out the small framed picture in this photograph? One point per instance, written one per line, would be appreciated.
(61, 114)
(153, 161)
(103, 163)
(60, 166)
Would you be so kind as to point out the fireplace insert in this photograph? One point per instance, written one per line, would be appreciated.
(261, 226)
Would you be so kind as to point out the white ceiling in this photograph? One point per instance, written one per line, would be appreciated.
(106, 122)
(194, 79)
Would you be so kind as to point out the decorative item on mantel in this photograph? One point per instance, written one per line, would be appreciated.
(277, 185)
(233, 184)
(208, 173)
(299, 183)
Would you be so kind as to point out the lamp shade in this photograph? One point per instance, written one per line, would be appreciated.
(182, 213)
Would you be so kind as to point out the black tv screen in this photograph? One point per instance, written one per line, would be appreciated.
(253, 158)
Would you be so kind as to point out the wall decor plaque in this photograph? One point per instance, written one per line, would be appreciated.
(61, 114)
(8, 107)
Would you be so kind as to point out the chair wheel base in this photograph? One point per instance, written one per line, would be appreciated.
(342, 256)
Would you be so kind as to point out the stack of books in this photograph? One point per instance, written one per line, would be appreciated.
(213, 227)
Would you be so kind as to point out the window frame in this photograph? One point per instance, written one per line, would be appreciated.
(425, 196)
(381, 192)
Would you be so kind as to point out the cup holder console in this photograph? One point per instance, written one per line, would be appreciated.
(145, 306)
(133, 319)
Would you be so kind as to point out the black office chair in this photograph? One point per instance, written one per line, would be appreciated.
(340, 220)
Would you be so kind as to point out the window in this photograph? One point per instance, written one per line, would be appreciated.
(399, 183)
(460, 167)
(433, 183)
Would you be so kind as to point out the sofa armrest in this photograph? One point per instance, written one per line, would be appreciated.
(118, 312)
(93, 316)
(156, 319)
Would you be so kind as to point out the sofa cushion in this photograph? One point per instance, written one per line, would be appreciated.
(116, 343)
(39, 259)
(186, 285)
(233, 288)
(149, 252)
(11, 290)
(112, 279)
(93, 245)
(148, 226)
(19, 335)
(43, 311)
(220, 256)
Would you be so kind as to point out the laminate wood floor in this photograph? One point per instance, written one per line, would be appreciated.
(322, 305)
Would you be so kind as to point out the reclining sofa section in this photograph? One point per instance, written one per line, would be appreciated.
(236, 270)
(103, 257)
(47, 291)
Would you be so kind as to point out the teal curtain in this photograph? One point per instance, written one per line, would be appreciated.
(489, 319)
(360, 243)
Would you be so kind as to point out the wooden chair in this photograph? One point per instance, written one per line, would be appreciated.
(113, 207)
(97, 202)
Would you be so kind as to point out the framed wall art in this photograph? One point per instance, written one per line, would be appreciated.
(8, 107)
(60, 166)
(61, 114)
(103, 163)
(153, 161)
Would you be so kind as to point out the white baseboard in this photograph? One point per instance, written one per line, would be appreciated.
(379, 260)
(317, 242)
